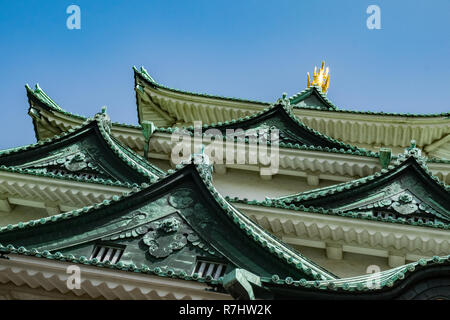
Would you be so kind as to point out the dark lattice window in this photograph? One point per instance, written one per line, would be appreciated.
(105, 253)
(207, 268)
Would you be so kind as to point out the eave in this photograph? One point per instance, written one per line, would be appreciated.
(54, 194)
(301, 162)
(296, 227)
(285, 258)
(295, 131)
(100, 283)
(412, 281)
(311, 228)
(410, 164)
(100, 127)
(354, 235)
(184, 107)
(333, 166)
(365, 129)
(374, 130)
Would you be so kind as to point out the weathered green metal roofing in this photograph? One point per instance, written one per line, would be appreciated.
(321, 102)
(167, 225)
(38, 95)
(406, 191)
(87, 152)
(345, 214)
(396, 283)
(143, 74)
(292, 132)
(312, 98)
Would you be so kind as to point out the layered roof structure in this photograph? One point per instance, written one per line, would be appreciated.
(170, 224)
(405, 191)
(88, 152)
(295, 156)
(292, 132)
(139, 232)
(179, 227)
(426, 279)
(166, 107)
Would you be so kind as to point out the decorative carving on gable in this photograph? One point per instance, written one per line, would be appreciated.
(405, 204)
(400, 202)
(166, 236)
(72, 160)
(171, 234)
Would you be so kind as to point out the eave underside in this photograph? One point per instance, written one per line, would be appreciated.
(50, 278)
(364, 130)
(160, 148)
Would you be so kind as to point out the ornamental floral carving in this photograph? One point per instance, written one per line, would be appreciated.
(166, 236)
(405, 204)
(72, 159)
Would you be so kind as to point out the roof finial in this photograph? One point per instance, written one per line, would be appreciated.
(104, 119)
(413, 149)
(201, 160)
(145, 73)
(284, 100)
(321, 78)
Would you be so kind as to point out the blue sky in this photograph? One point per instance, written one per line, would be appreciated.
(247, 49)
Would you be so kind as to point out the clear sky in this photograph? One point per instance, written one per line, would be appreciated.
(247, 49)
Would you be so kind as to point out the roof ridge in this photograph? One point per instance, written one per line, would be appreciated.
(47, 140)
(369, 282)
(65, 112)
(39, 93)
(401, 158)
(48, 101)
(145, 75)
(307, 92)
(138, 158)
(429, 115)
(109, 182)
(298, 95)
(304, 92)
(103, 123)
(347, 214)
(286, 107)
(254, 231)
(127, 155)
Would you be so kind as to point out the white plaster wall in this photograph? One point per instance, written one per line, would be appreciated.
(351, 265)
(247, 184)
(21, 214)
